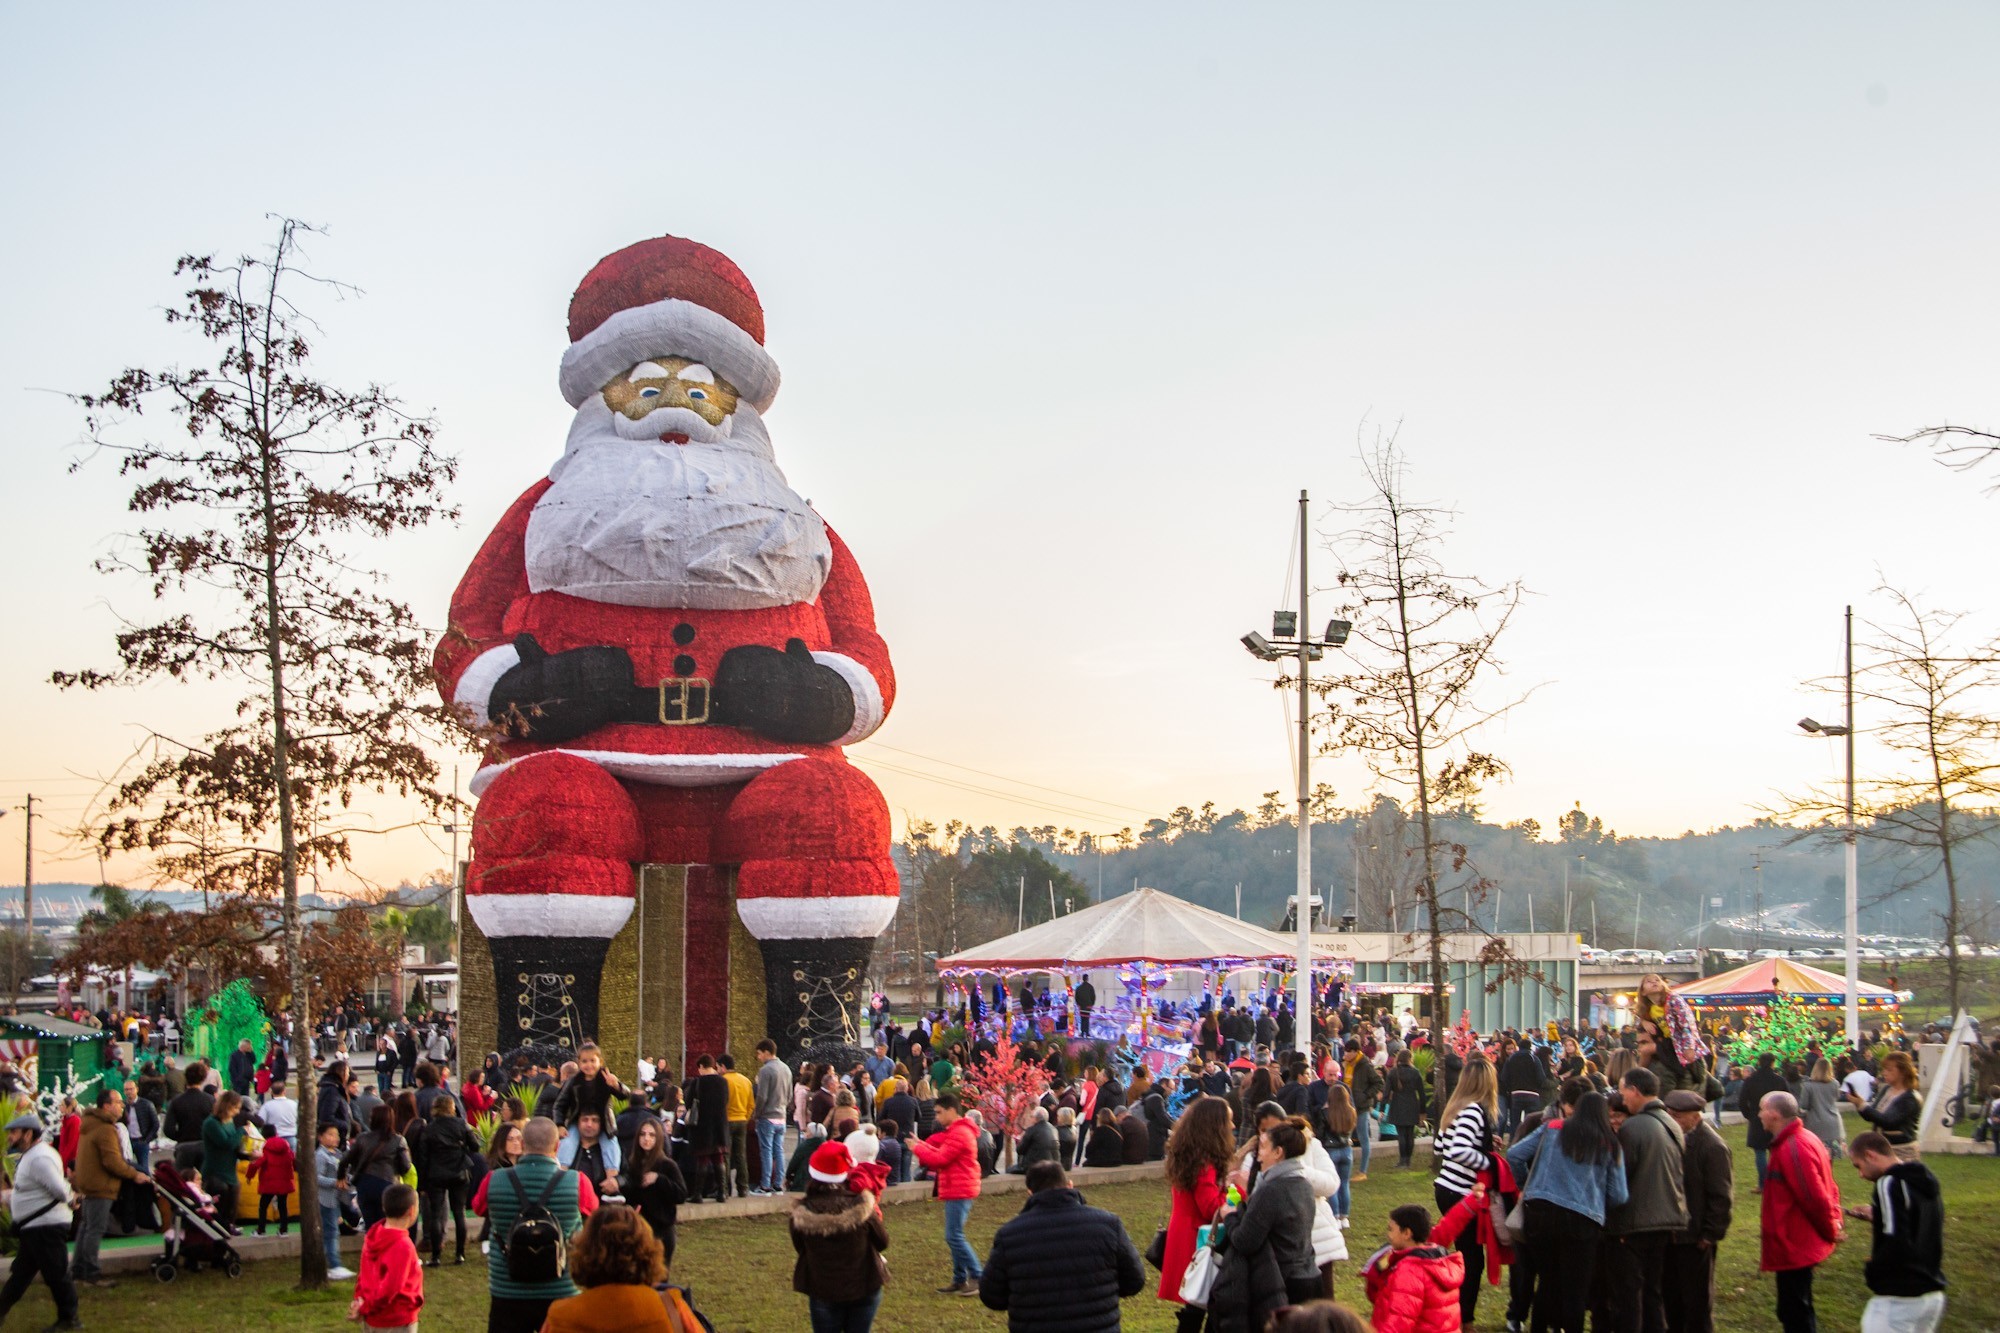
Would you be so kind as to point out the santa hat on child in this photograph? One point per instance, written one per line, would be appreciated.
(667, 297)
(830, 1164)
(862, 1145)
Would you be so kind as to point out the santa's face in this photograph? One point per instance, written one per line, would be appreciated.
(673, 400)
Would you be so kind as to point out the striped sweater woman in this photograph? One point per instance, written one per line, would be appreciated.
(1464, 1148)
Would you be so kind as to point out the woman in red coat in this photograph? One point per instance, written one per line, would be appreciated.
(1801, 1209)
(1198, 1158)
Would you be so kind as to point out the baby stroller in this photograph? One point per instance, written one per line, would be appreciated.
(194, 1233)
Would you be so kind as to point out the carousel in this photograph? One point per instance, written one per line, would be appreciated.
(1755, 985)
(1155, 962)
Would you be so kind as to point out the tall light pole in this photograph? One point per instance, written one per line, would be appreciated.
(1294, 639)
(1846, 733)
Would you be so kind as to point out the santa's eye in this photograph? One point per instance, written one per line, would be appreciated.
(649, 393)
(699, 395)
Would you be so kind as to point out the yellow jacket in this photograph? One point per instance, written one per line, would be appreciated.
(742, 1095)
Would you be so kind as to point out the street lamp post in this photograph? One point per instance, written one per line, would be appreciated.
(1852, 852)
(1292, 638)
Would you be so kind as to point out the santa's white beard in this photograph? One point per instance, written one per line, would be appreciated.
(708, 525)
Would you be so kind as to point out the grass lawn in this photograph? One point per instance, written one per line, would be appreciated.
(741, 1270)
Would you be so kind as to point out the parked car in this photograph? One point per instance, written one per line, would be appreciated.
(1684, 957)
(1762, 954)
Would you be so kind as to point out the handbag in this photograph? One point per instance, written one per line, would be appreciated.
(1156, 1253)
(1512, 1230)
(1199, 1280)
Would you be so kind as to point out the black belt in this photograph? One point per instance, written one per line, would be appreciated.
(680, 702)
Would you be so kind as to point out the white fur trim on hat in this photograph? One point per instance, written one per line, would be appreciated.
(570, 915)
(669, 328)
(861, 918)
(868, 711)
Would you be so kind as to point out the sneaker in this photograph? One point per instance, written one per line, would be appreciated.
(101, 1283)
(63, 1326)
(1358, 1175)
(971, 1288)
(1516, 1326)
(341, 1274)
(955, 1289)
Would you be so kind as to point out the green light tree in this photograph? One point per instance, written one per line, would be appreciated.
(1784, 1027)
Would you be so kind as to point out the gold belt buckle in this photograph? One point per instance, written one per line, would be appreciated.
(678, 694)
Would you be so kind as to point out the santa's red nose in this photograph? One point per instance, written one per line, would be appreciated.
(673, 437)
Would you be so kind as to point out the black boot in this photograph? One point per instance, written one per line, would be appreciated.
(812, 992)
(547, 988)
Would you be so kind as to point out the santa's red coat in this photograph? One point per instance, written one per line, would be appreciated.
(494, 603)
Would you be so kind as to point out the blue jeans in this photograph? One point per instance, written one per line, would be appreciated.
(329, 1229)
(771, 1154)
(844, 1316)
(1342, 1159)
(1763, 1156)
(1364, 1138)
(964, 1262)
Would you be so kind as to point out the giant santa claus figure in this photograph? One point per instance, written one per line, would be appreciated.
(669, 649)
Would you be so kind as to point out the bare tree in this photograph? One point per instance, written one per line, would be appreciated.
(1941, 743)
(1423, 643)
(1960, 448)
(254, 500)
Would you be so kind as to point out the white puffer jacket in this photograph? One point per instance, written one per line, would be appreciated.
(1329, 1241)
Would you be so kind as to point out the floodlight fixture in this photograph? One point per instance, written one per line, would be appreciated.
(1284, 624)
(1260, 647)
(1337, 632)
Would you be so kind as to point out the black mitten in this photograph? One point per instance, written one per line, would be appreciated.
(560, 696)
(785, 696)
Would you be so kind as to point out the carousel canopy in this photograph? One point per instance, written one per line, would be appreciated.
(1759, 982)
(1145, 925)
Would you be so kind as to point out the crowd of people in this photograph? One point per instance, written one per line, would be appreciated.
(1578, 1174)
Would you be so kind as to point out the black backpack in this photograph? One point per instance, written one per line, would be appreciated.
(536, 1249)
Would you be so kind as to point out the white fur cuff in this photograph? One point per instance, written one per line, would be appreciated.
(476, 682)
(816, 918)
(869, 714)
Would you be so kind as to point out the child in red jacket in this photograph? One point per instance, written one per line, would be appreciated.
(275, 1170)
(1413, 1281)
(390, 1289)
(866, 1173)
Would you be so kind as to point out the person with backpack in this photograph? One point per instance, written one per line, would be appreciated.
(532, 1210)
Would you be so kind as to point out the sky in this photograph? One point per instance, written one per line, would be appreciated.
(1070, 306)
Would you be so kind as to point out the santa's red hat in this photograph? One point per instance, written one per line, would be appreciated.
(830, 1163)
(667, 297)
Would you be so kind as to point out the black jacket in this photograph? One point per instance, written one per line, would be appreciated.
(1105, 1147)
(1710, 1186)
(1038, 1144)
(1907, 1258)
(659, 1203)
(185, 1114)
(445, 1152)
(1756, 1085)
(335, 1109)
(1521, 1073)
(710, 1103)
(1897, 1118)
(242, 1071)
(837, 1235)
(581, 1096)
(1061, 1267)
(1273, 1232)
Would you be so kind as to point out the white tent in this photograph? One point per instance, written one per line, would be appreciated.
(1145, 925)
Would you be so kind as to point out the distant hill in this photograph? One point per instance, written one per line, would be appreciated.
(1659, 890)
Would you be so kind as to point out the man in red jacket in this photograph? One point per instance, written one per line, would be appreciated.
(1801, 1210)
(951, 1155)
